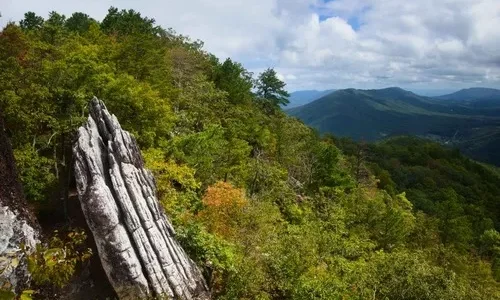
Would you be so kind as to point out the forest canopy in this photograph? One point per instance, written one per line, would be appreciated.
(266, 207)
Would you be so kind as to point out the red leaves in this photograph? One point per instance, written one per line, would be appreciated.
(224, 205)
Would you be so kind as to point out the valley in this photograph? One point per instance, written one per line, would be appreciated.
(472, 125)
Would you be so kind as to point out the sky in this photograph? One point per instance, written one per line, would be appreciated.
(425, 45)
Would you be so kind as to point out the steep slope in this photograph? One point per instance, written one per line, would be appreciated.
(264, 206)
(374, 114)
(431, 174)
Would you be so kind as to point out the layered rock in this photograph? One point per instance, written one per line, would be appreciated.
(134, 238)
(18, 226)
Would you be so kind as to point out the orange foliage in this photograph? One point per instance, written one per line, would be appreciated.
(224, 205)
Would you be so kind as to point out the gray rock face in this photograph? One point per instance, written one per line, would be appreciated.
(134, 238)
(17, 223)
(14, 231)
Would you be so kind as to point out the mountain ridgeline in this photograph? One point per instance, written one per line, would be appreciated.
(265, 206)
(472, 95)
(300, 98)
(468, 119)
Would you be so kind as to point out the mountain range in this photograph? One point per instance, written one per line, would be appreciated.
(468, 119)
(300, 98)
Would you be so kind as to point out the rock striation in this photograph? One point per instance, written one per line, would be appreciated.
(18, 225)
(134, 238)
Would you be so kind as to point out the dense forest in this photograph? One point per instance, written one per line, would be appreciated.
(267, 207)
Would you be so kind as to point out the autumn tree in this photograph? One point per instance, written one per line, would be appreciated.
(224, 205)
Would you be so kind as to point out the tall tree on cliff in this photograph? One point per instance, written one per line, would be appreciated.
(271, 90)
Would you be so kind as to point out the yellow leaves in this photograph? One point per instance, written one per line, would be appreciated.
(51, 256)
(224, 205)
(27, 295)
(166, 171)
(172, 180)
(223, 194)
(176, 186)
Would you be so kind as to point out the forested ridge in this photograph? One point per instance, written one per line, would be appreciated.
(267, 207)
(468, 120)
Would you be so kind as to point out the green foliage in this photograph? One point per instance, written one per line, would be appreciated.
(27, 295)
(235, 80)
(31, 21)
(265, 206)
(36, 173)
(127, 22)
(490, 248)
(373, 115)
(212, 154)
(440, 182)
(176, 183)
(79, 22)
(7, 295)
(271, 90)
(55, 263)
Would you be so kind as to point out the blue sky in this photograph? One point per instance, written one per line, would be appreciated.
(323, 44)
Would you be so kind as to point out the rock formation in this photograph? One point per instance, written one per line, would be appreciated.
(134, 238)
(17, 223)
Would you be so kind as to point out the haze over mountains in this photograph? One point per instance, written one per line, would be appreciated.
(468, 119)
(299, 98)
(302, 97)
(472, 94)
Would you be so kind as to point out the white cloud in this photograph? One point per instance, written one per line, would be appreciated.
(334, 44)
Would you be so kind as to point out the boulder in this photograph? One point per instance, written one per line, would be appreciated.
(135, 240)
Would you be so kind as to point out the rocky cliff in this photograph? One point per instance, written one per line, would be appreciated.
(18, 226)
(135, 240)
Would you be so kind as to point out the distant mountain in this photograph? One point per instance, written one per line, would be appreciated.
(472, 94)
(432, 92)
(299, 98)
(477, 98)
(375, 114)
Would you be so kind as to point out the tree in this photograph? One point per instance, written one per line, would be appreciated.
(31, 21)
(271, 90)
(79, 22)
(224, 205)
(53, 28)
(267, 207)
(235, 80)
(128, 22)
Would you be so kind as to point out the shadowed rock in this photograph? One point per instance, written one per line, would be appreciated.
(18, 225)
(134, 238)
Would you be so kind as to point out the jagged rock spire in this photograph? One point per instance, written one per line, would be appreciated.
(134, 238)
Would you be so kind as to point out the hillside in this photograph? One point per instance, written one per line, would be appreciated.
(264, 206)
(426, 171)
(371, 115)
(484, 100)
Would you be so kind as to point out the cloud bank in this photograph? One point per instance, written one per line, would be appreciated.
(323, 44)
